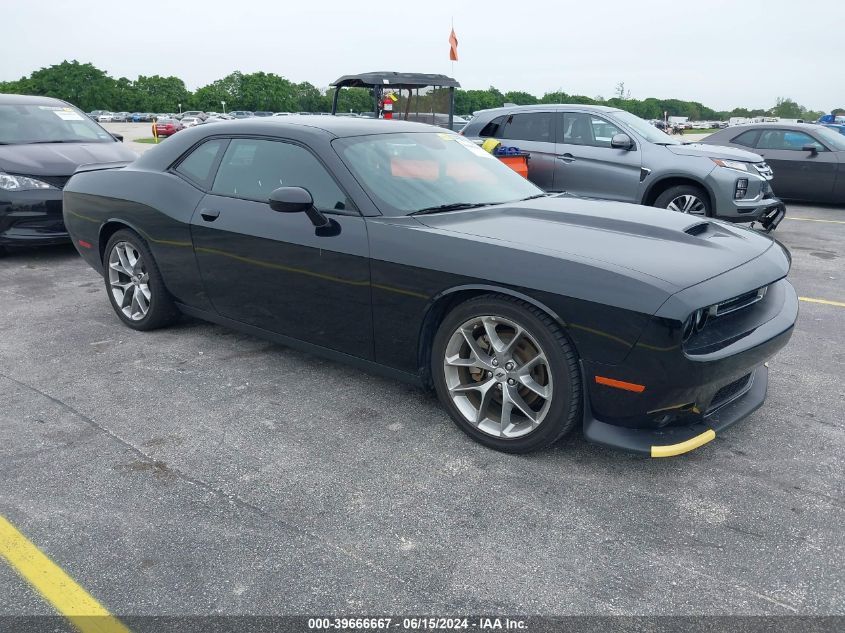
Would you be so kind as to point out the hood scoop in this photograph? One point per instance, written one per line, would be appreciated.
(699, 228)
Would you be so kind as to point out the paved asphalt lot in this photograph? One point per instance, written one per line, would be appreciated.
(199, 471)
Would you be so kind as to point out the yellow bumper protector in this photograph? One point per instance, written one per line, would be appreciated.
(670, 450)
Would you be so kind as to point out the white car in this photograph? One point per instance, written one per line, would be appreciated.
(105, 117)
(191, 121)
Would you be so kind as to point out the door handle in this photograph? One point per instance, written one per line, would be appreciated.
(209, 215)
(566, 158)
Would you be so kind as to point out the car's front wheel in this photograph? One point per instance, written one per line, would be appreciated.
(134, 284)
(685, 199)
(506, 373)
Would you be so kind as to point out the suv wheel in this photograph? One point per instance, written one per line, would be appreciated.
(685, 199)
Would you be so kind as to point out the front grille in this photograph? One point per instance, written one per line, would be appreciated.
(58, 182)
(730, 392)
(764, 170)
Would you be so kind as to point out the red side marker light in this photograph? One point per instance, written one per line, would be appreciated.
(84, 244)
(619, 384)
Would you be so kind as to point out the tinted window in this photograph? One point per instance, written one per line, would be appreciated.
(197, 166)
(408, 172)
(748, 139)
(253, 168)
(787, 140)
(587, 129)
(534, 126)
(492, 128)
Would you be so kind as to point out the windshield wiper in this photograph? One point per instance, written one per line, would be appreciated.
(456, 206)
(534, 197)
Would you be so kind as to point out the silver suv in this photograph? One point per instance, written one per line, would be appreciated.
(604, 152)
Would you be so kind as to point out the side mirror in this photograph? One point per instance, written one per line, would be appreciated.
(621, 141)
(118, 137)
(810, 148)
(296, 200)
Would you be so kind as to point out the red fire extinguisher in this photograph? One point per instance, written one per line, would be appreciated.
(387, 105)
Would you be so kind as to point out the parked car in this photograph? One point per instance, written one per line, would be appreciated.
(808, 160)
(167, 127)
(262, 113)
(120, 117)
(838, 127)
(95, 113)
(142, 117)
(604, 152)
(42, 142)
(105, 117)
(197, 114)
(191, 121)
(240, 114)
(531, 315)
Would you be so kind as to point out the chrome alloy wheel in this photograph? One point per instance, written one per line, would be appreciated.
(498, 377)
(129, 281)
(688, 204)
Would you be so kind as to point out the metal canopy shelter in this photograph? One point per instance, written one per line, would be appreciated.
(377, 81)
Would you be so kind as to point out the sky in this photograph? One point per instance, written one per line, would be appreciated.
(722, 53)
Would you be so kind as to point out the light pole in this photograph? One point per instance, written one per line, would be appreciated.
(223, 103)
(180, 108)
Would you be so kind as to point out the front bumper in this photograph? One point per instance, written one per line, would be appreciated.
(676, 440)
(662, 396)
(32, 218)
(758, 204)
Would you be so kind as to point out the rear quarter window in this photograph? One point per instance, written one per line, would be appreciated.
(197, 166)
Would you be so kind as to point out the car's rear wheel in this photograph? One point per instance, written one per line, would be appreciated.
(134, 284)
(506, 373)
(685, 199)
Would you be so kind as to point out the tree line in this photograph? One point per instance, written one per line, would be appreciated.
(90, 88)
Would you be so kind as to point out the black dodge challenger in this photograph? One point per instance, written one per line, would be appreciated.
(411, 251)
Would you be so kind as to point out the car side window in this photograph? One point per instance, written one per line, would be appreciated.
(197, 166)
(493, 127)
(748, 139)
(253, 168)
(586, 129)
(787, 140)
(530, 126)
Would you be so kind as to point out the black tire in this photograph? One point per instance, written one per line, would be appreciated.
(162, 310)
(564, 405)
(664, 199)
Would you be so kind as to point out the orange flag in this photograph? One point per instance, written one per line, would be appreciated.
(453, 46)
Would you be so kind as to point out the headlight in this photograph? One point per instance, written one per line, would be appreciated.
(731, 164)
(21, 183)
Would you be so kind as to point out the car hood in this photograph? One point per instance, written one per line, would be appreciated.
(678, 249)
(715, 151)
(59, 159)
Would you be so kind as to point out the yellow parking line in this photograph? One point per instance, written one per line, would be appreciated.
(59, 589)
(826, 302)
(815, 220)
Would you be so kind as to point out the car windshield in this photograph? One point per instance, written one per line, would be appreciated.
(645, 129)
(408, 172)
(21, 124)
(833, 139)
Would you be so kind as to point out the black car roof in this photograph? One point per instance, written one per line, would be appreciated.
(307, 128)
(338, 126)
(773, 125)
(6, 99)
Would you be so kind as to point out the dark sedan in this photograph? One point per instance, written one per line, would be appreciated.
(42, 142)
(411, 251)
(808, 160)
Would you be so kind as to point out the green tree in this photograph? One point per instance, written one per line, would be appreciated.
(354, 100)
(520, 98)
(787, 109)
(161, 94)
(83, 85)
